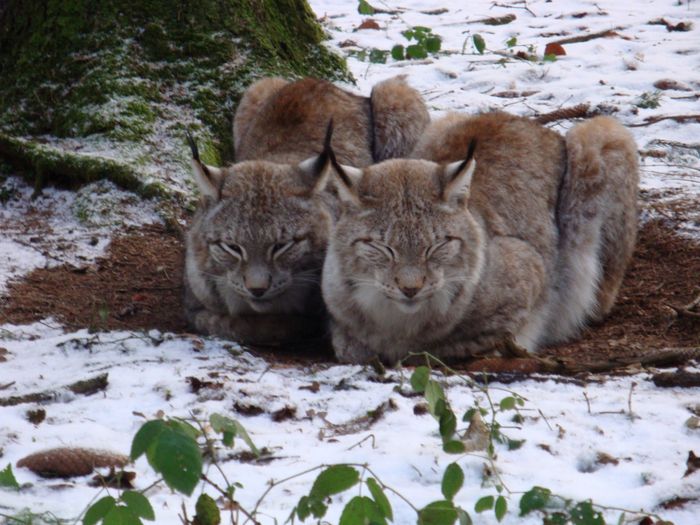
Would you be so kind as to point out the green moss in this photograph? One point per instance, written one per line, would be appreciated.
(117, 70)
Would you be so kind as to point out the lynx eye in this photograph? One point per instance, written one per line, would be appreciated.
(232, 249)
(442, 246)
(279, 248)
(378, 248)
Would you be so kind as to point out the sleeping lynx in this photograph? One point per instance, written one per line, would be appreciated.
(257, 242)
(525, 238)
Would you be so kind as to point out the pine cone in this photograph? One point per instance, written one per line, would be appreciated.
(66, 462)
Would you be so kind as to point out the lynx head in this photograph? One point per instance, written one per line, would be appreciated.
(405, 240)
(261, 232)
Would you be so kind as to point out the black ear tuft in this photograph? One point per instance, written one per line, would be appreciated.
(472, 148)
(193, 146)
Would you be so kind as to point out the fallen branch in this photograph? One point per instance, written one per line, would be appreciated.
(85, 388)
(578, 111)
(493, 20)
(608, 33)
(677, 118)
(440, 11)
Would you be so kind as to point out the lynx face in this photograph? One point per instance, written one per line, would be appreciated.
(404, 244)
(260, 237)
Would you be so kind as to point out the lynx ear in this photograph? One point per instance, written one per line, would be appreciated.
(208, 178)
(346, 180)
(459, 178)
(318, 168)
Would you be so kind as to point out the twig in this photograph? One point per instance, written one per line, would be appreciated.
(677, 118)
(371, 436)
(588, 402)
(493, 20)
(608, 33)
(84, 387)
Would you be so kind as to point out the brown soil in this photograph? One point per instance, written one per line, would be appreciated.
(138, 286)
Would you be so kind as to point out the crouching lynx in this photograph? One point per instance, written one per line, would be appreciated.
(526, 237)
(257, 242)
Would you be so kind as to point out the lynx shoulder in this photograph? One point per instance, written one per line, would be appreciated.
(498, 229)
(257, 242)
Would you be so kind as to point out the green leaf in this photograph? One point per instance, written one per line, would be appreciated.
(397, 53)
(464, 517)
(550, 58)
(448, 424)
(433, 44)
(500, 508)
(621, 519)
(485, 503)
(479, 43)
(121, 516)
(469, 414)
(421, 375)
(318, 508)
(438, 513)
(454, 447)
(409, 34)
(207, 513)
(176, 456)
(99, 510)
(416, 51)
(452, 480)
(361, 510)
(146, 436)
(584, 514)
(139, 504)
(434, 395)
(507, 403)
(364, 8)
(378, 56)
(334, 480)
(243, 433)
(534, 499)
(380, 498)
(7, 478)
(303, 510)
(558, 518)
(512, 42)
(515, 444)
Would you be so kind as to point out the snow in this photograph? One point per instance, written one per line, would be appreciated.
(567, 424)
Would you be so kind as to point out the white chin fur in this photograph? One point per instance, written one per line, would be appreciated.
(409, 308)
(261, 307)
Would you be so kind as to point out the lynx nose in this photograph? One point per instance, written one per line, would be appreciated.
(410, 292)
(410, 281)
(258, 292)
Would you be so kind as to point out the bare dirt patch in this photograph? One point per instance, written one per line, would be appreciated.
(138, 286)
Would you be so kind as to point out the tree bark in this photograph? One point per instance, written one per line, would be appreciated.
(86, 85)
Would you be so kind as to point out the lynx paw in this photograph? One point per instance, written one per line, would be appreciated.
(348, 349)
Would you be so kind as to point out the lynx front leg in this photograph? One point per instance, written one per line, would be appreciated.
(348, 349)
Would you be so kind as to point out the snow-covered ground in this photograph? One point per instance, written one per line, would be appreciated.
(581, 440)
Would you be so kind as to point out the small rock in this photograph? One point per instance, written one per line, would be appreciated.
(693, 423)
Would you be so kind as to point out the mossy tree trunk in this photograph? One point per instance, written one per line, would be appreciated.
(92, 89)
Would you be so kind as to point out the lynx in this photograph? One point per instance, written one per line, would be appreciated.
(523, 240)
(257, 242)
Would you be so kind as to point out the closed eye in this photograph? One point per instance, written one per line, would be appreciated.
(280, 248)
(381, 248)
(441, 246)
(232, 249)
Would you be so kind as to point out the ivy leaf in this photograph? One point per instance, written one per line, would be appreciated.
(435, 396)
(176, 456)
(138, 504)
(452, 480)
(380, 498)
(421, 375)
(397, 53)
(99, 510)
(500, 508)
(507, 403)
(121, 516)
(364, 8)
(534, 499)
(416, 51)
(464, 517)
(433, 44)
(334, 480)
(7, 478)
(585, 514)
(361, 510)
(454, 447)
(512, 42)
(438, 513)
(485, 503)
(448, 424)
(479, 43)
